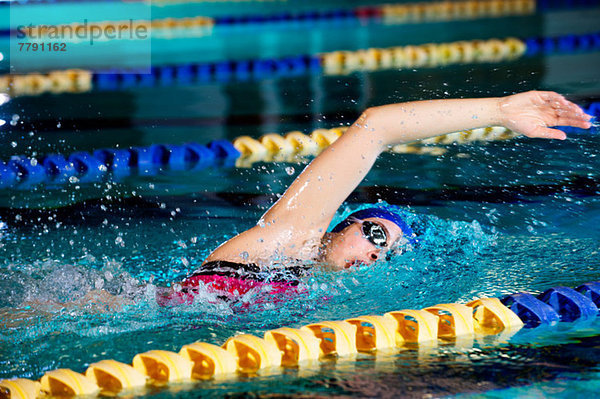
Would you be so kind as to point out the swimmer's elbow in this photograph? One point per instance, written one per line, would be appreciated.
(372, 124)
(366, 118)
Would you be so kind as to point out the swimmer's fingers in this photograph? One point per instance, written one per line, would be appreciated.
(571, 115)
(572, 121)
(533, 113)
(556, 101)
(543, 132)
(555, 104)
(101, 301)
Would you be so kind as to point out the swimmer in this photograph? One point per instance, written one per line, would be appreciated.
(295, 227)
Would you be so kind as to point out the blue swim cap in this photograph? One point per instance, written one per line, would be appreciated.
(378, 213)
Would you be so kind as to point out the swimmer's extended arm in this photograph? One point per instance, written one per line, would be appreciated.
(307, 207)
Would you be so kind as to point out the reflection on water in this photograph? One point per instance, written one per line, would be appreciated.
(53, 262)
(52, 317)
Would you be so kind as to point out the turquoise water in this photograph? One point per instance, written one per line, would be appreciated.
(473, 246)
(495, 218)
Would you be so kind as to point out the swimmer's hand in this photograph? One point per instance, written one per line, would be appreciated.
(99, 301)
(94, 302)
(532, 113)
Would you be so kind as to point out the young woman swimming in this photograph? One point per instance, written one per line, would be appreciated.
(295, 227)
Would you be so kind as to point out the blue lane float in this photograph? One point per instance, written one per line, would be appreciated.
(551, 4)
(152, 156)
(28, 170)
(223, 149)
(286, 17)
(89, 168)
(591, 291)
(58, 168)
(86, 167)
(531, 310)
(223, 72)
(204, 155)
(8, 176)
(562, 44)
(180, 156)
(569, 304)
(117, 161)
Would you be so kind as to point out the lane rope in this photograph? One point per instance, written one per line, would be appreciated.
(429, 55)
(55, 170)
(388, 13)
(289, 347)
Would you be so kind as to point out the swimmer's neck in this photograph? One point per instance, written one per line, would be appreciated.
(313, 252)
(321, 257)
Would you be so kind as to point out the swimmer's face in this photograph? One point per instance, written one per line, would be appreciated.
(350, 247)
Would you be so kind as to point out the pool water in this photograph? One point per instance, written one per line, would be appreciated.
(472, 246)
(494, 218)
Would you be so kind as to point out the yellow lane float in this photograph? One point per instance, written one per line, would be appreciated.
(303, 144)
(20, 388)
(163, 366)
(209, 360)
(65, 382)
(454, 319)
(295, 345)
(113, 377)
(253, 353)
(490, 316)
(415, 326)
(374, 332)
(336, 337)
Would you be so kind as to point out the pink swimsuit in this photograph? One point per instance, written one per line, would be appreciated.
(233, 280)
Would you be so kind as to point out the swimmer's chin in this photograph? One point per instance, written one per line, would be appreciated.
(331, 267)
(354, 264)
(347, 265)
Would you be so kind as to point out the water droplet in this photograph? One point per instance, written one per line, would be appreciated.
(290, 170)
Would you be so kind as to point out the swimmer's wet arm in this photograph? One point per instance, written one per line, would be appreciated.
(313, 198)
(305, 210)
(529, 113)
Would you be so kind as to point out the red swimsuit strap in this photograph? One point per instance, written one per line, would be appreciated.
(249, 271)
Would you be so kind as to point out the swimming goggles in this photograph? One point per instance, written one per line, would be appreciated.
(374, 233)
